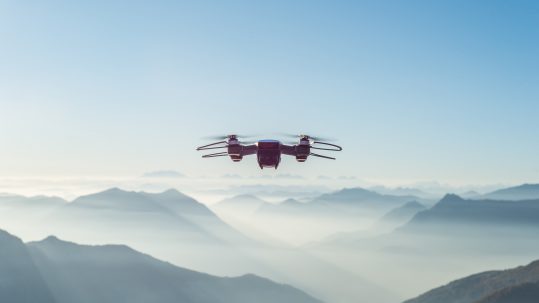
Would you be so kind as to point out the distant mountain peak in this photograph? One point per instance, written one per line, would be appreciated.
(451, 198)
(113, 190)
(54, 241)
(51, 238)
(172, 192)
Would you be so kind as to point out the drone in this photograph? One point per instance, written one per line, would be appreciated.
(268, 152)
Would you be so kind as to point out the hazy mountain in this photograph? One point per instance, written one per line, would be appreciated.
(20, 279)
(454, 226)
(348, 202)
(402, 214)
(167, 214)
(454, 210)
(523, 293)
(521, 192)
(117, 199)
(56, 271)
(39, 204)
(403, 191)
(179, 203)
(357, 195)
(488, 287)
(241, 204)
(288, 206)
(273, 190)
(394, 218)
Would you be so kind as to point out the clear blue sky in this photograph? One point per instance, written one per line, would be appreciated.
(419, 90)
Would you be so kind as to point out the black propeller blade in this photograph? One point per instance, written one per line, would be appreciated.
(292, 136)
(321, 156)
(226, 137)
(221, 154)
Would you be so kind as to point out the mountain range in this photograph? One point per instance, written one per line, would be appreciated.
(521, 192)
(453, 212)
(517, 285)
(55, 271)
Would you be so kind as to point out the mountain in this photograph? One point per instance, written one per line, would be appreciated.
(179, 203)
(523, 293)
(394, 218)
(20, 279)
(521, 192)
(349, 203)
(458, 226)
(488, 287)
(402, 191)
(56, 271)
(240, 204)
(117, 199)
(167, 214)
(454, 210)
(359, 200)
(402, 214)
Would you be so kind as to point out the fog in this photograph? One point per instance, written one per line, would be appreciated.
(349, 245)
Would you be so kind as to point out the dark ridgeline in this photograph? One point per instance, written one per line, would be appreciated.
(518, 285)
(454, 210)
(521, 192)
(523, 293)
(55, 271)
(20, 279)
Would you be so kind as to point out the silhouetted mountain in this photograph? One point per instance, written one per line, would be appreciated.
(522, 192)
(523, 293)
(454, 210)
(20, 279)
(487, 287)
(241, 204)
(458, 226)
(52, 270)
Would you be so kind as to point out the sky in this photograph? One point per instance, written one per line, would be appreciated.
(414, 91)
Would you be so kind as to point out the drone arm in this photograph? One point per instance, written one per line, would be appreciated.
(289, 150)
(249, 149)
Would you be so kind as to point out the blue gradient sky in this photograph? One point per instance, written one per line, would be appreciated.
(413, 90)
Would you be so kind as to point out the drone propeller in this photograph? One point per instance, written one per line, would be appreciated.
(221, 154)
(226, 137)
(301, 136)
(321, 156)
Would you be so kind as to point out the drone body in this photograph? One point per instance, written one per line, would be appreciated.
(269, 151)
